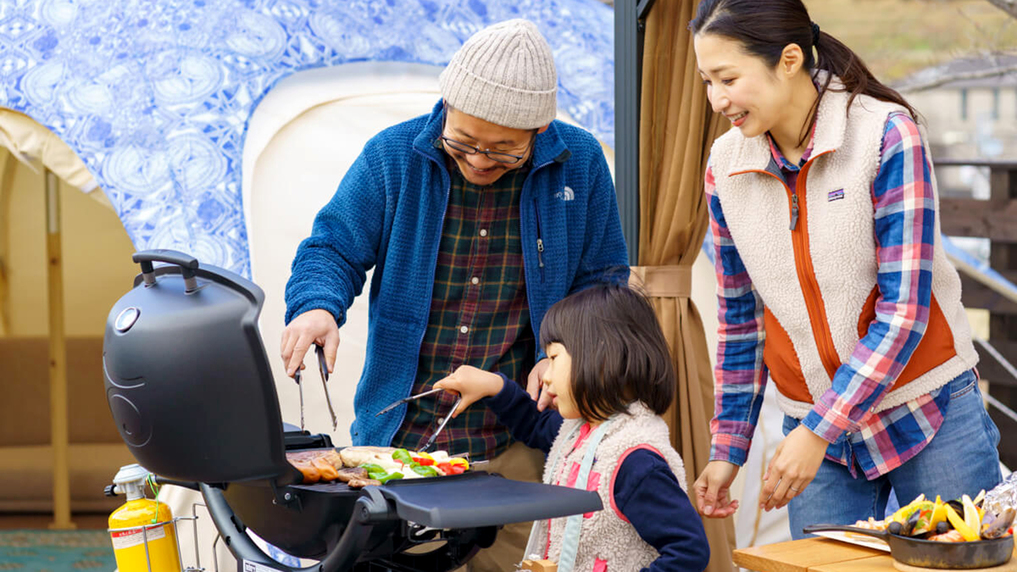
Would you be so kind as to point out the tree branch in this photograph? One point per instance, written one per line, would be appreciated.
(1008, 6)
(948, 78)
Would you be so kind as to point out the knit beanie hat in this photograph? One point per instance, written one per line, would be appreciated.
(504, 74)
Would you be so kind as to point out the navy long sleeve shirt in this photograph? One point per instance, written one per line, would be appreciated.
(646, 490)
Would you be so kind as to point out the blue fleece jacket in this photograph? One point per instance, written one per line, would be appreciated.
(388, 213)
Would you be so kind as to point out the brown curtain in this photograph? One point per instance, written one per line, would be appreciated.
(676, 131)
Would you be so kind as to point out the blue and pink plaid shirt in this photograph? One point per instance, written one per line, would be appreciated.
(904, 207)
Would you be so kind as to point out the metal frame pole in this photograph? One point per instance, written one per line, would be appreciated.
(629, 18)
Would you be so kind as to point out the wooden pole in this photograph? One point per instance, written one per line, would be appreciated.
(57, 360)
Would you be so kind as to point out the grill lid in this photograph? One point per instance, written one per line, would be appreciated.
(187, 378)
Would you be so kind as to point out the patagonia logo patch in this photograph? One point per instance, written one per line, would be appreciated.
(835, 195)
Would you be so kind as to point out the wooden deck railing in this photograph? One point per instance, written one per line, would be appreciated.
(995, 219)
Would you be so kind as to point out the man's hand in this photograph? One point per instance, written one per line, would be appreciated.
(792, 468)
(472, 384)
(535, 381)
(713, 488)
(311, 327)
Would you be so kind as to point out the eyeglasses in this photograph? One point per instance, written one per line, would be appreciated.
(498, 156)
(467, 149)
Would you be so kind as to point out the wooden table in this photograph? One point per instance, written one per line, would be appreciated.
(813, 555)
(822, 555)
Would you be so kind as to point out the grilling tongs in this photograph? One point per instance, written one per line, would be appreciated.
(430, 441)
(323, 370)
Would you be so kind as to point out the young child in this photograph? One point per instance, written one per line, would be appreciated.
(610, 378)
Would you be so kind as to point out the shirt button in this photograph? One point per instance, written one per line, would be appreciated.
(483, 232)
(464, 329)
(475, 280)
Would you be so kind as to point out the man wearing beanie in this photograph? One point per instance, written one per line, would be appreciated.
(476, 217)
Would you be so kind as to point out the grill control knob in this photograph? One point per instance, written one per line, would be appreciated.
(126, 318)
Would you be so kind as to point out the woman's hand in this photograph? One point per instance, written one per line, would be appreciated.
(792, 467)
(472, 384)
(713, 490)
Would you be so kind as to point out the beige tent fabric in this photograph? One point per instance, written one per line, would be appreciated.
(22, 139)
(28, 141)
(676, 131)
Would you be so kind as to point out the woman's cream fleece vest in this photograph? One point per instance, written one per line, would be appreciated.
(605, 536)
(821, 302)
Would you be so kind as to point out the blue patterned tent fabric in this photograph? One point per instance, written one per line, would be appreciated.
(155, 95)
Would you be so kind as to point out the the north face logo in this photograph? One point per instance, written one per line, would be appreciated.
(566, 195)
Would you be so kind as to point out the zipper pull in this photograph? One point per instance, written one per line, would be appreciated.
(540, 252)
(794, 211)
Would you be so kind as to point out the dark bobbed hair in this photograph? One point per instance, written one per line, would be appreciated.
(765, 27)
(619, 354)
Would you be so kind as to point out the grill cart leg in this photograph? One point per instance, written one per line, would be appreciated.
(371, 509)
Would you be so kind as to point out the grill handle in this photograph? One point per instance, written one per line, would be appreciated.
(187, 263)
(371, 509)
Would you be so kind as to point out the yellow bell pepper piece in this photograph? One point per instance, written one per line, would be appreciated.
(938, 512)
(959, 524)
(905, 512)
(460, 461)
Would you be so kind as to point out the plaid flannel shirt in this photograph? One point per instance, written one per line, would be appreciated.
(479, 315)
(903, 203)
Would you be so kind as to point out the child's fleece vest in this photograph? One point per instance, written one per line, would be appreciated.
(607, 541)
(818, 281)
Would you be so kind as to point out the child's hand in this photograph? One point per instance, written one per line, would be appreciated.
(472, 384)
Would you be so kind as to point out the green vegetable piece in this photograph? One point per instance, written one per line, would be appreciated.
(403, 456)
(395, 475)
(424, 470)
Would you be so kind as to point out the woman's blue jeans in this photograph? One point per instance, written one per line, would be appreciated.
(962, 458)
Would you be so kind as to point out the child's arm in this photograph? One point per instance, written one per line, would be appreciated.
(510, 402)
(647, 493)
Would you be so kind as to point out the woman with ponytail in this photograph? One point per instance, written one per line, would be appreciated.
(832, 281)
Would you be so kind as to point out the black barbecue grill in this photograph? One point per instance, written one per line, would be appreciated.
(192, 394)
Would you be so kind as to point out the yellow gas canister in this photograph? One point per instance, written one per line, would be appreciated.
(142, 529)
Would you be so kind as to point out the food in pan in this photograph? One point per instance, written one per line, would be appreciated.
(962, 520)
(362, 466)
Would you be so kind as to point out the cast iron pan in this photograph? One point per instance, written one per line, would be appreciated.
(932, 554)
